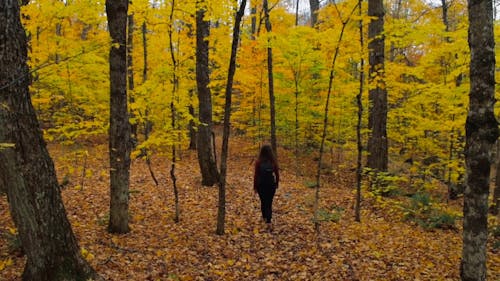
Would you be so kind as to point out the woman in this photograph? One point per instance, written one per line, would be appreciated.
(265, 182)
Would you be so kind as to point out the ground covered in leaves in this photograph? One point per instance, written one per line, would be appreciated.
(381, 247)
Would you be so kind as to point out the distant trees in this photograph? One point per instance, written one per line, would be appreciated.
(27, 171)
(119, 126)
(481, 130)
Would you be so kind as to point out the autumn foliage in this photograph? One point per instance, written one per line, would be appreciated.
(383, 247)
(410, 230)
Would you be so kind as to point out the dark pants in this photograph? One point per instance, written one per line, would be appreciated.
(266, 195)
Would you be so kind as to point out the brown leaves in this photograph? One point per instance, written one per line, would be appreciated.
(380, 248)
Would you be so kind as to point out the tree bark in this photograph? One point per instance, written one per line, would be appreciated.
(274, 143)
(148, 125)
(206, 155)
(191, 127)
(175, 87)
(192, 113)
(253, 25)
(377, 120)
(481, 133)
(119, 126)
(297, 12)
(359, 101)
(28, 173)
(495, 207)
(314, 8)
(130, 73)
(221, 212)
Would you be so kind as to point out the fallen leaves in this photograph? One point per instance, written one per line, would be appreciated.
(380, 248)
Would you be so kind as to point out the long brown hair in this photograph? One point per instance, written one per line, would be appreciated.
(267, 154)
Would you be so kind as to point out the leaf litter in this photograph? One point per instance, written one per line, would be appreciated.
(382, 247)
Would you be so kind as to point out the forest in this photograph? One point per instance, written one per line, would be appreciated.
(130, 134)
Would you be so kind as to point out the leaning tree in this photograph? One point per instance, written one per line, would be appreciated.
(27, 171)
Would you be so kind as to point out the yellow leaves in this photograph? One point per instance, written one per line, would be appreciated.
(138, 217)
(5, 263)
(12, 231)
(86, 254)
(7, 145)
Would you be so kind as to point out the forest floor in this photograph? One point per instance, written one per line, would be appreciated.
(381, 247)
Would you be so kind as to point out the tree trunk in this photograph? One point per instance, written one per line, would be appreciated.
(314, 8)
(206, 155)
(144, 30)
(191, 110)
(148, 125)
(221, 212)
(297, 12)
(175, 87)
(28, 173)
(130, 73)
(359, 101)
(192, 130)
(253, 26)
(495, 207)
(119, 126)
(481, 133)
(274, 143)
(377, 121)
(325, 121)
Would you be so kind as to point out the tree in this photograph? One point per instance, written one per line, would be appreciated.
(206, 154)
(314, 8)
(175, 88)
(377, 120)
(119, 126)
(359, 164)
(495, 207)
(325, 117)
(130, 74)
(28, 173)
(481, 130)
(272, 109)
(221, 213)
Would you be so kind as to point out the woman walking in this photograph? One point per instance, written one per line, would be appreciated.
(265, 182)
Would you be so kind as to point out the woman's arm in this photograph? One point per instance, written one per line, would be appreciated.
(256, 176)
(277, 174)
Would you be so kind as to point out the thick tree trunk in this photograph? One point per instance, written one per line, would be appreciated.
(314, 8)
(274, 142)
(495, 207)
(206, 155)
(119, 126)
(377, 120)
(130, 73)
(481, 133)
(27, 171)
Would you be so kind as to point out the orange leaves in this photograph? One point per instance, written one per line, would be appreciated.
(380, 248)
